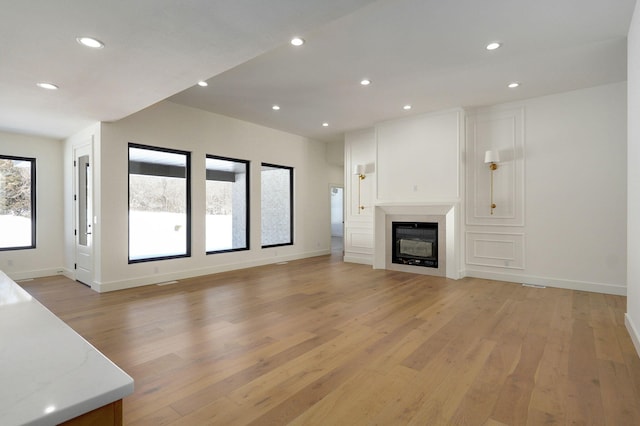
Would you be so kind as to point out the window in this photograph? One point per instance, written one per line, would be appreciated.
(277, 205)
(17, 203)
(227, 191)
(159, 203)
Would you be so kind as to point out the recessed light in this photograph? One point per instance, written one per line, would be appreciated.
(48, 86)
(203, 83)
(493, 45)
(325, 124)
(275, 107)
(365, 82)
(90, 42)
(406, 107)
(513, 85)
(297, 41)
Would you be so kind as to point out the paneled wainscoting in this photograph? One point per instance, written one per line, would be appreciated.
(319, 341)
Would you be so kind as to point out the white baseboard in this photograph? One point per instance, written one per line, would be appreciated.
(616, 289)
(37, 273)
(103, 287)
(633, 332)
(363, 259)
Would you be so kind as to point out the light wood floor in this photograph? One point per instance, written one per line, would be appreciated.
(321, 342)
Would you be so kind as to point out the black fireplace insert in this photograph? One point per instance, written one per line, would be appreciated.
(415, 243)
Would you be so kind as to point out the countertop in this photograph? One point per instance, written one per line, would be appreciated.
(48, 372)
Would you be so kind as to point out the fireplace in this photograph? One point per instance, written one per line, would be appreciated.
(445, 248)
(415, 243)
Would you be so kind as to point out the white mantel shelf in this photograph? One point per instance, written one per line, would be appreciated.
(448, 214)
(49, 373)
(435, 207)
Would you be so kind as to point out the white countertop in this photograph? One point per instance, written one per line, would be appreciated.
(48, 372)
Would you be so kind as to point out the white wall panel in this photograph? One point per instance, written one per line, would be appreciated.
(360, 150)
(360, 240)
(497, 249)
(358, 226)
(418, 158)
(501, 131)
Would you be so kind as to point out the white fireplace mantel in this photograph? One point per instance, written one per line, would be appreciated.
(447, 214)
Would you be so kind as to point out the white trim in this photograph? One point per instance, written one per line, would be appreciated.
(633, 332)
(518, 242)
(606, 288)
(39, 273)
(516, 115)
(449, 222)
(365, 259)
(184, 274)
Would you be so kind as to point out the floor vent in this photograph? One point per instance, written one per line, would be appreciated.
(168, 282)
(533, 285)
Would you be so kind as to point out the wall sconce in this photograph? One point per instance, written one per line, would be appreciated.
(492, 158)
(359, 170)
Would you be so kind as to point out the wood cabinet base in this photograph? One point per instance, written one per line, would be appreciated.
(110, 414)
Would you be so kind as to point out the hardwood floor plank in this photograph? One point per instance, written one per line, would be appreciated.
(447, 396)
(221, 411)
(161, 416)
(355, 401)
(189, 400)
(207, 378)
(515, 395)
(482, 394)
(320, 388)
(271, 389)
(320, 341)
(550, 388)
(619, 399)
(584, 401)
(508, 331)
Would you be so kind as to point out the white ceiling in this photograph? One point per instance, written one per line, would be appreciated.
(427, 53)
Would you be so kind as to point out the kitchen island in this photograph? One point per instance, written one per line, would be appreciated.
(49, 374)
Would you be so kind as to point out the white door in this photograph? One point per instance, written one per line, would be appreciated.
(337, 219)
(83, 198)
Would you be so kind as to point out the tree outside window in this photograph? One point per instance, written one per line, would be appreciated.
(17, 203)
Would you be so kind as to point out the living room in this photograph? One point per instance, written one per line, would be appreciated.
(564, 189)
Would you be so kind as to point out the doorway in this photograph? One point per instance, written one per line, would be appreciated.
(337, 220)
(83, 200)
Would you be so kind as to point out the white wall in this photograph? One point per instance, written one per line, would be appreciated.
(572, 233)
(335, 153)
(174, 126)
(47, 258)
(576, 168)
(633, 190)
